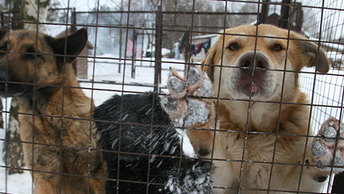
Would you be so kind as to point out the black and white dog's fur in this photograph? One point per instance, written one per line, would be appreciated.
(143, 150)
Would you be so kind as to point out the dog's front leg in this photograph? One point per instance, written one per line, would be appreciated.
(190, 108)
(43, 186)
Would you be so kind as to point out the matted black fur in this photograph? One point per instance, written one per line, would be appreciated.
(151, 159)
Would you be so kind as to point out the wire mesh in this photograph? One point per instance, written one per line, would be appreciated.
(131, 47)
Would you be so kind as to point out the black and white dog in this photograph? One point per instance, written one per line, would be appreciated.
(143, 150)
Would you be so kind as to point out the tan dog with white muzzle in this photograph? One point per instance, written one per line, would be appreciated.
(256, 128)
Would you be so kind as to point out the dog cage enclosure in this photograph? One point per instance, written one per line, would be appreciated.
(132, 45)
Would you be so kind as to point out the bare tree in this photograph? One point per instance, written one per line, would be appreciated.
(14, 156)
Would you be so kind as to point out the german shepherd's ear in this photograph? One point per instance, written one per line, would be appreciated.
(315, 56)
(2, 33)
(70, 46)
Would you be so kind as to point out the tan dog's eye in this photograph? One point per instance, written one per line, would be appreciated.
(233, 46)
(277, 47)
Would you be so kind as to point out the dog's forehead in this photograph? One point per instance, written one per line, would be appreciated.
(251, 32)
(25, 35)
(19, 38)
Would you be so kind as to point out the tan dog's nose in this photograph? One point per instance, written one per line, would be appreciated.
(253, 61)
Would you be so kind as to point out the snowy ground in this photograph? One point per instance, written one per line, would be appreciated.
(327, 99)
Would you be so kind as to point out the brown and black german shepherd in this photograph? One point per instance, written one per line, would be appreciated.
(54, 114)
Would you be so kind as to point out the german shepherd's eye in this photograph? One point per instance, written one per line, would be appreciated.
(3, 49)
(31, 53)
(233, 46)
(277, 47)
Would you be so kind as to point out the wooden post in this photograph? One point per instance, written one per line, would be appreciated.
(284, 21)
(264, 12)
(187, 46)
(133, 69)
(158, 48)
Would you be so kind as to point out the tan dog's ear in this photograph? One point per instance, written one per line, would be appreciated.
(210, 61)
(315, 57)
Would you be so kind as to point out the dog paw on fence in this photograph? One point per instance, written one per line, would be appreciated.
(189, 106)
(328, 146)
